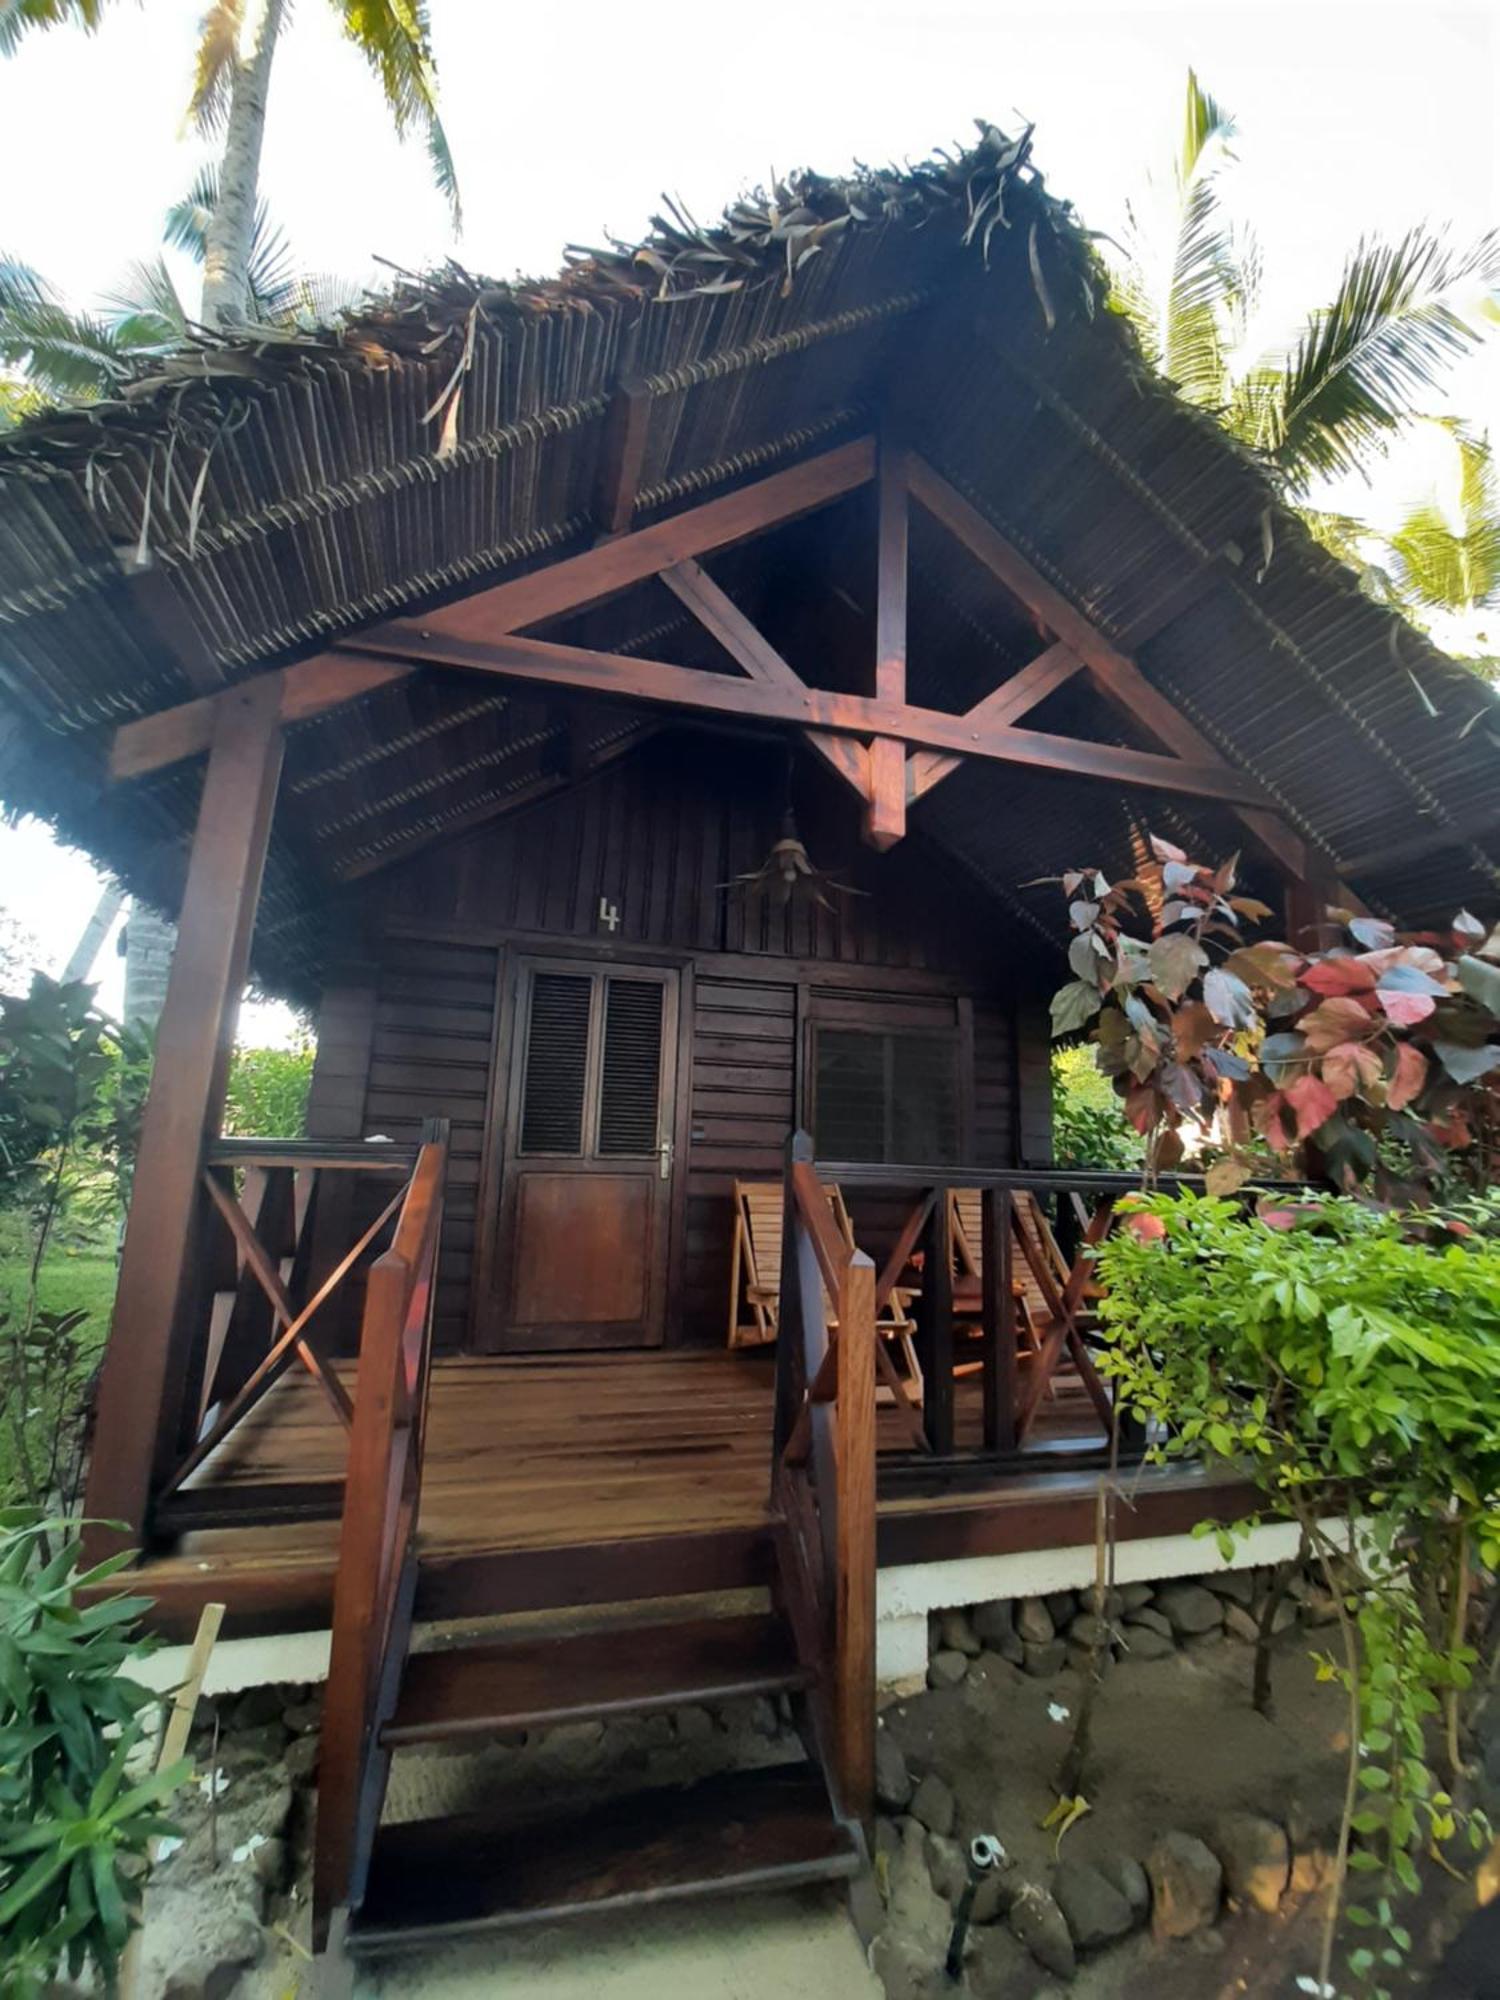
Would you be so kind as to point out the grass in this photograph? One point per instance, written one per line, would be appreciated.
(74, 1277)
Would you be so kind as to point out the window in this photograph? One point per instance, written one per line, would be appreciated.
(886, 1096)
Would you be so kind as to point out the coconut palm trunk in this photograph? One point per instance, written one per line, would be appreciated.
(231, 228)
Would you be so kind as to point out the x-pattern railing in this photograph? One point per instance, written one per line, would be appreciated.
(267, 1195)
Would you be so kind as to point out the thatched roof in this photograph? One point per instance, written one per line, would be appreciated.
(254, 496)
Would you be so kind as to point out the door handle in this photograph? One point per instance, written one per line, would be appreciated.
(664, 1153)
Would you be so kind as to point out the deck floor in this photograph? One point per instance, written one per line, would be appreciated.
(527, 1454)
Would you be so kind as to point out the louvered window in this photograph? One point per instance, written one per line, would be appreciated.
(630, 1078)
(557, 1050)
(885, 1096)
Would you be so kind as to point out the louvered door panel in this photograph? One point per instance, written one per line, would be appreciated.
(630, 1073)
(556, 1063)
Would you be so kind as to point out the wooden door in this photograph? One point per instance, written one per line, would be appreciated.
(586, 1193)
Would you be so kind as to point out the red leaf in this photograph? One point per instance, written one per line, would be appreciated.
(1409, 1077)
(1141, 1107)
(1278, 1218)
(1332, 976)
(1313, 1102)
(1149, 1228)
(1337, 1020)
(1266, 1116)
(1165, 851)
(1351, 1067)
(1405, 1009)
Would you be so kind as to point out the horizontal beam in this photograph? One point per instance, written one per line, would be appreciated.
(311, 687)
(306, 690)
(617, 676)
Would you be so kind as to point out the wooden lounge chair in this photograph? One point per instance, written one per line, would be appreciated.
(755, 1278)
(1040, 1274)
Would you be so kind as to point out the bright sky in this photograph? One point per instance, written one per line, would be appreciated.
(566, 124)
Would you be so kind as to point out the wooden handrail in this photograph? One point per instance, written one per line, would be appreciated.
(375, 1581)
(366, 1156)
(823, 1475)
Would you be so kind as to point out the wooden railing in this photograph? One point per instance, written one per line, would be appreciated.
(279, 1215)
(1001, 1265)
(823, 1476)
(376, 1577)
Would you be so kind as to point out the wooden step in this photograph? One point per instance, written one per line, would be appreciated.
(608, 1670)
(445, 1878)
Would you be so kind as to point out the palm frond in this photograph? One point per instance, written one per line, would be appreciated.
(444, 174)
(1453, 564)
(20, 286)
(185, 226)
(65, 354)
(321, 298)
(19, 18)
(213, 65)
(1205, 124)
(1203, 296)
(145, 308)
(395, 39)
(272, 274)
(1404, 312)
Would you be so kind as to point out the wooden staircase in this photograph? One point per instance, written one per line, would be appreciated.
(399, 1883)
(515, 1864)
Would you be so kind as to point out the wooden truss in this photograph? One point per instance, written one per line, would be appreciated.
(889, 752)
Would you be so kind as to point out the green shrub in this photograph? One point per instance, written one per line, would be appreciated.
(268, 1092)
(1346, 1359)
(75, 1825)
(1089, 1126)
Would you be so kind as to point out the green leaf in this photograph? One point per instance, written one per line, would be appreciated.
(1073, 1007)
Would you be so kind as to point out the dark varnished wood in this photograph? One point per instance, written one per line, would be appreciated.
(144, 1386)
(625, 677)
(311, 687)
(745, 1830)
(719, 615)
(885, 814)
(1112, 670)
(617, 1670)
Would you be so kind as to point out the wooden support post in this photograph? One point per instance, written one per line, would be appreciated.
(146, 1374)
(791, 1379)
(1308, 925)
(854, 1623)
(885, 813)
(935, 1325)
(1000, 1369)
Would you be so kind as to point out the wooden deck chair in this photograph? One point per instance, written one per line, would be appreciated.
(1040, 1275)
(755, 1278)
(967, 1205)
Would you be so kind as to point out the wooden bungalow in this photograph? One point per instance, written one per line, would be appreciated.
(486, 674)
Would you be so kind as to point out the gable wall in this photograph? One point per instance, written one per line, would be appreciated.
(655, 837)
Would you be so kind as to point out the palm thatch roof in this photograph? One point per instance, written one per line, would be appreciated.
(254, 496)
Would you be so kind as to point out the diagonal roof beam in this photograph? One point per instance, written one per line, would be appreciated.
(1114, 674)
(313, 686)
(750, 649)
(1009, 702)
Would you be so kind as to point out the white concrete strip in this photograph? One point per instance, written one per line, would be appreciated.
(908, 1592)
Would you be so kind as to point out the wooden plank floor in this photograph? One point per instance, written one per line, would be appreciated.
(531, 1453)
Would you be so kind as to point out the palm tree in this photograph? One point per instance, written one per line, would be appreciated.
(231, 79)
(1402, 315)
(68, 356)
